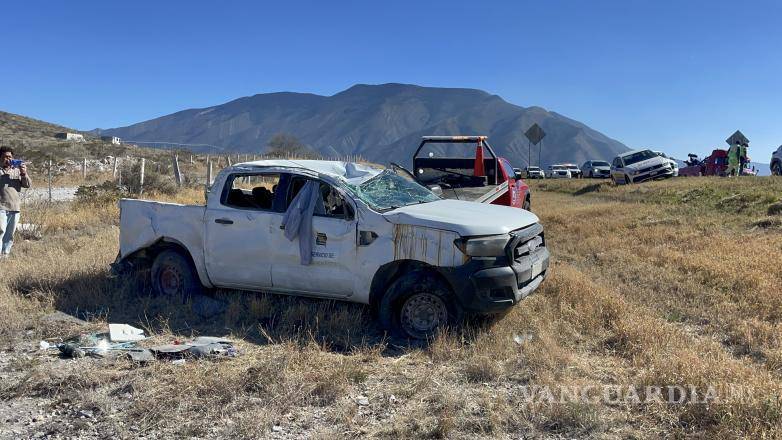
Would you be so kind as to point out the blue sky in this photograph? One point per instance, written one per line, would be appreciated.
(675, 75)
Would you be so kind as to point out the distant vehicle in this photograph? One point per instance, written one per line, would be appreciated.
(558, 172)
(639, 166)
(531, 173)
(489, 179)
(575, 171)
(776, 162)
(596, 169)
(673, 163)
(714, 164)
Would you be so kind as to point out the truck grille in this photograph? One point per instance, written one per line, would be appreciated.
(525, 241)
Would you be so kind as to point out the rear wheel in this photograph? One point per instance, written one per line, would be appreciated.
(173, 275)
(776, 169)
(418, 305)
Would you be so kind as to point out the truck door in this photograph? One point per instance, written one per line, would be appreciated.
(238, 247)
(333, 246)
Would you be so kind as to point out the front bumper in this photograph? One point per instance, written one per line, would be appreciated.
(662, 173)
(493, 285)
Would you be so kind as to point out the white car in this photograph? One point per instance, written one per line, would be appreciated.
(639, 166)
(776, 162)
(558, 172)
(575, 171)
(356, 234)
(674, 164)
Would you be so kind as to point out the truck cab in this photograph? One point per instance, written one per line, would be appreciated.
(367, 235)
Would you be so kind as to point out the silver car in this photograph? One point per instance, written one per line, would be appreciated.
(639, 166)
(596, 169)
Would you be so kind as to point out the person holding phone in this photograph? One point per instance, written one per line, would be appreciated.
(13, 177)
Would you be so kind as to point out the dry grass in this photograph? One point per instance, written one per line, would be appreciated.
(668, 283)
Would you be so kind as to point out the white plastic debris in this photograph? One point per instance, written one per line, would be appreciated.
(125, 333)
(45, 345)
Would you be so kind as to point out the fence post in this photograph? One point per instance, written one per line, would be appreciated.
(50, 180)
(84, 169)
(191, 159)
(228, 159)
(177, 173)
(114, 171)
(141, 177)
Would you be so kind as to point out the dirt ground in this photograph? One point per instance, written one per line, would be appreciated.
(665, 284)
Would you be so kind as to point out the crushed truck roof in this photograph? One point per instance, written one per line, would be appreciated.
(350, 172)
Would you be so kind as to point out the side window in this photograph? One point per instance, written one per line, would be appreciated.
(330, 202)
(251, 191)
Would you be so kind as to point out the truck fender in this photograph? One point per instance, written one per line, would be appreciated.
(389, 272)
(167, 243)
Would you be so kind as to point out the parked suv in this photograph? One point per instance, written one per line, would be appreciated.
(532, 173)
(575, 171)
(596, 168)
(639, 166)
(558, 172)
(776, 162)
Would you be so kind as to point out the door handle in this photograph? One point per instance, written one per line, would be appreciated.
(224, 221)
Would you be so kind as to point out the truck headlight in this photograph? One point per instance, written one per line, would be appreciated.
(491, 246)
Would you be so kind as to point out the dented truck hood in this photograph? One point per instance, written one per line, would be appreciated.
(462, 217)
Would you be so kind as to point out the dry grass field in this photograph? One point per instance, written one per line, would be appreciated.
(674, 283)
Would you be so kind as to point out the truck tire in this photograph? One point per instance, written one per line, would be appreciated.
(418, 305)
(173, 275)
(776, 169)
(527, 205)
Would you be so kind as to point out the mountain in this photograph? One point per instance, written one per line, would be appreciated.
(19, 131)
(382, 123)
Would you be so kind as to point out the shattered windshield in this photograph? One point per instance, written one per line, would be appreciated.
(388, 190)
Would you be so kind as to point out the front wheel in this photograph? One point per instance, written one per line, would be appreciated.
(174, 276)
(777, 169)
(419, 305)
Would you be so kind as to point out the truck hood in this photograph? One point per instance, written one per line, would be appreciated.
(647, 163)
(464, 218)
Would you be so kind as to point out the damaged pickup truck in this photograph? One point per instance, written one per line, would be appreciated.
(343, 231)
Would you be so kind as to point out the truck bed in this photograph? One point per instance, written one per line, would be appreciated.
(143, 222)
(480, 194)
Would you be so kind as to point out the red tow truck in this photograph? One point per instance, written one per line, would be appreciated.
(714, 164)
(484, 177)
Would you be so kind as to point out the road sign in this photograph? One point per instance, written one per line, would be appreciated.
(535, 134)
(737, 138)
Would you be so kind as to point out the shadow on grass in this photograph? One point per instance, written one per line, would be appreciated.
(260, 318)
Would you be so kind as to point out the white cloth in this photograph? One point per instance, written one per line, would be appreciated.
(298, 219)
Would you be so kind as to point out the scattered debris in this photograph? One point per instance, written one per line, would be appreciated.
(123, 338)
(125, 333)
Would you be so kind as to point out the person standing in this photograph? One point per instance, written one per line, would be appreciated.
(733, 160)
(13, 177)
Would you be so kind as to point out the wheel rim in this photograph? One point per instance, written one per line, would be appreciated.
(422, 314)
(170, 281)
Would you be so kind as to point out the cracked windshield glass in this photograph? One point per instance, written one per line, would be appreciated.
(390, 191)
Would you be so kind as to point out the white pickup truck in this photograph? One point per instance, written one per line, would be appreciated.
(376, 238)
